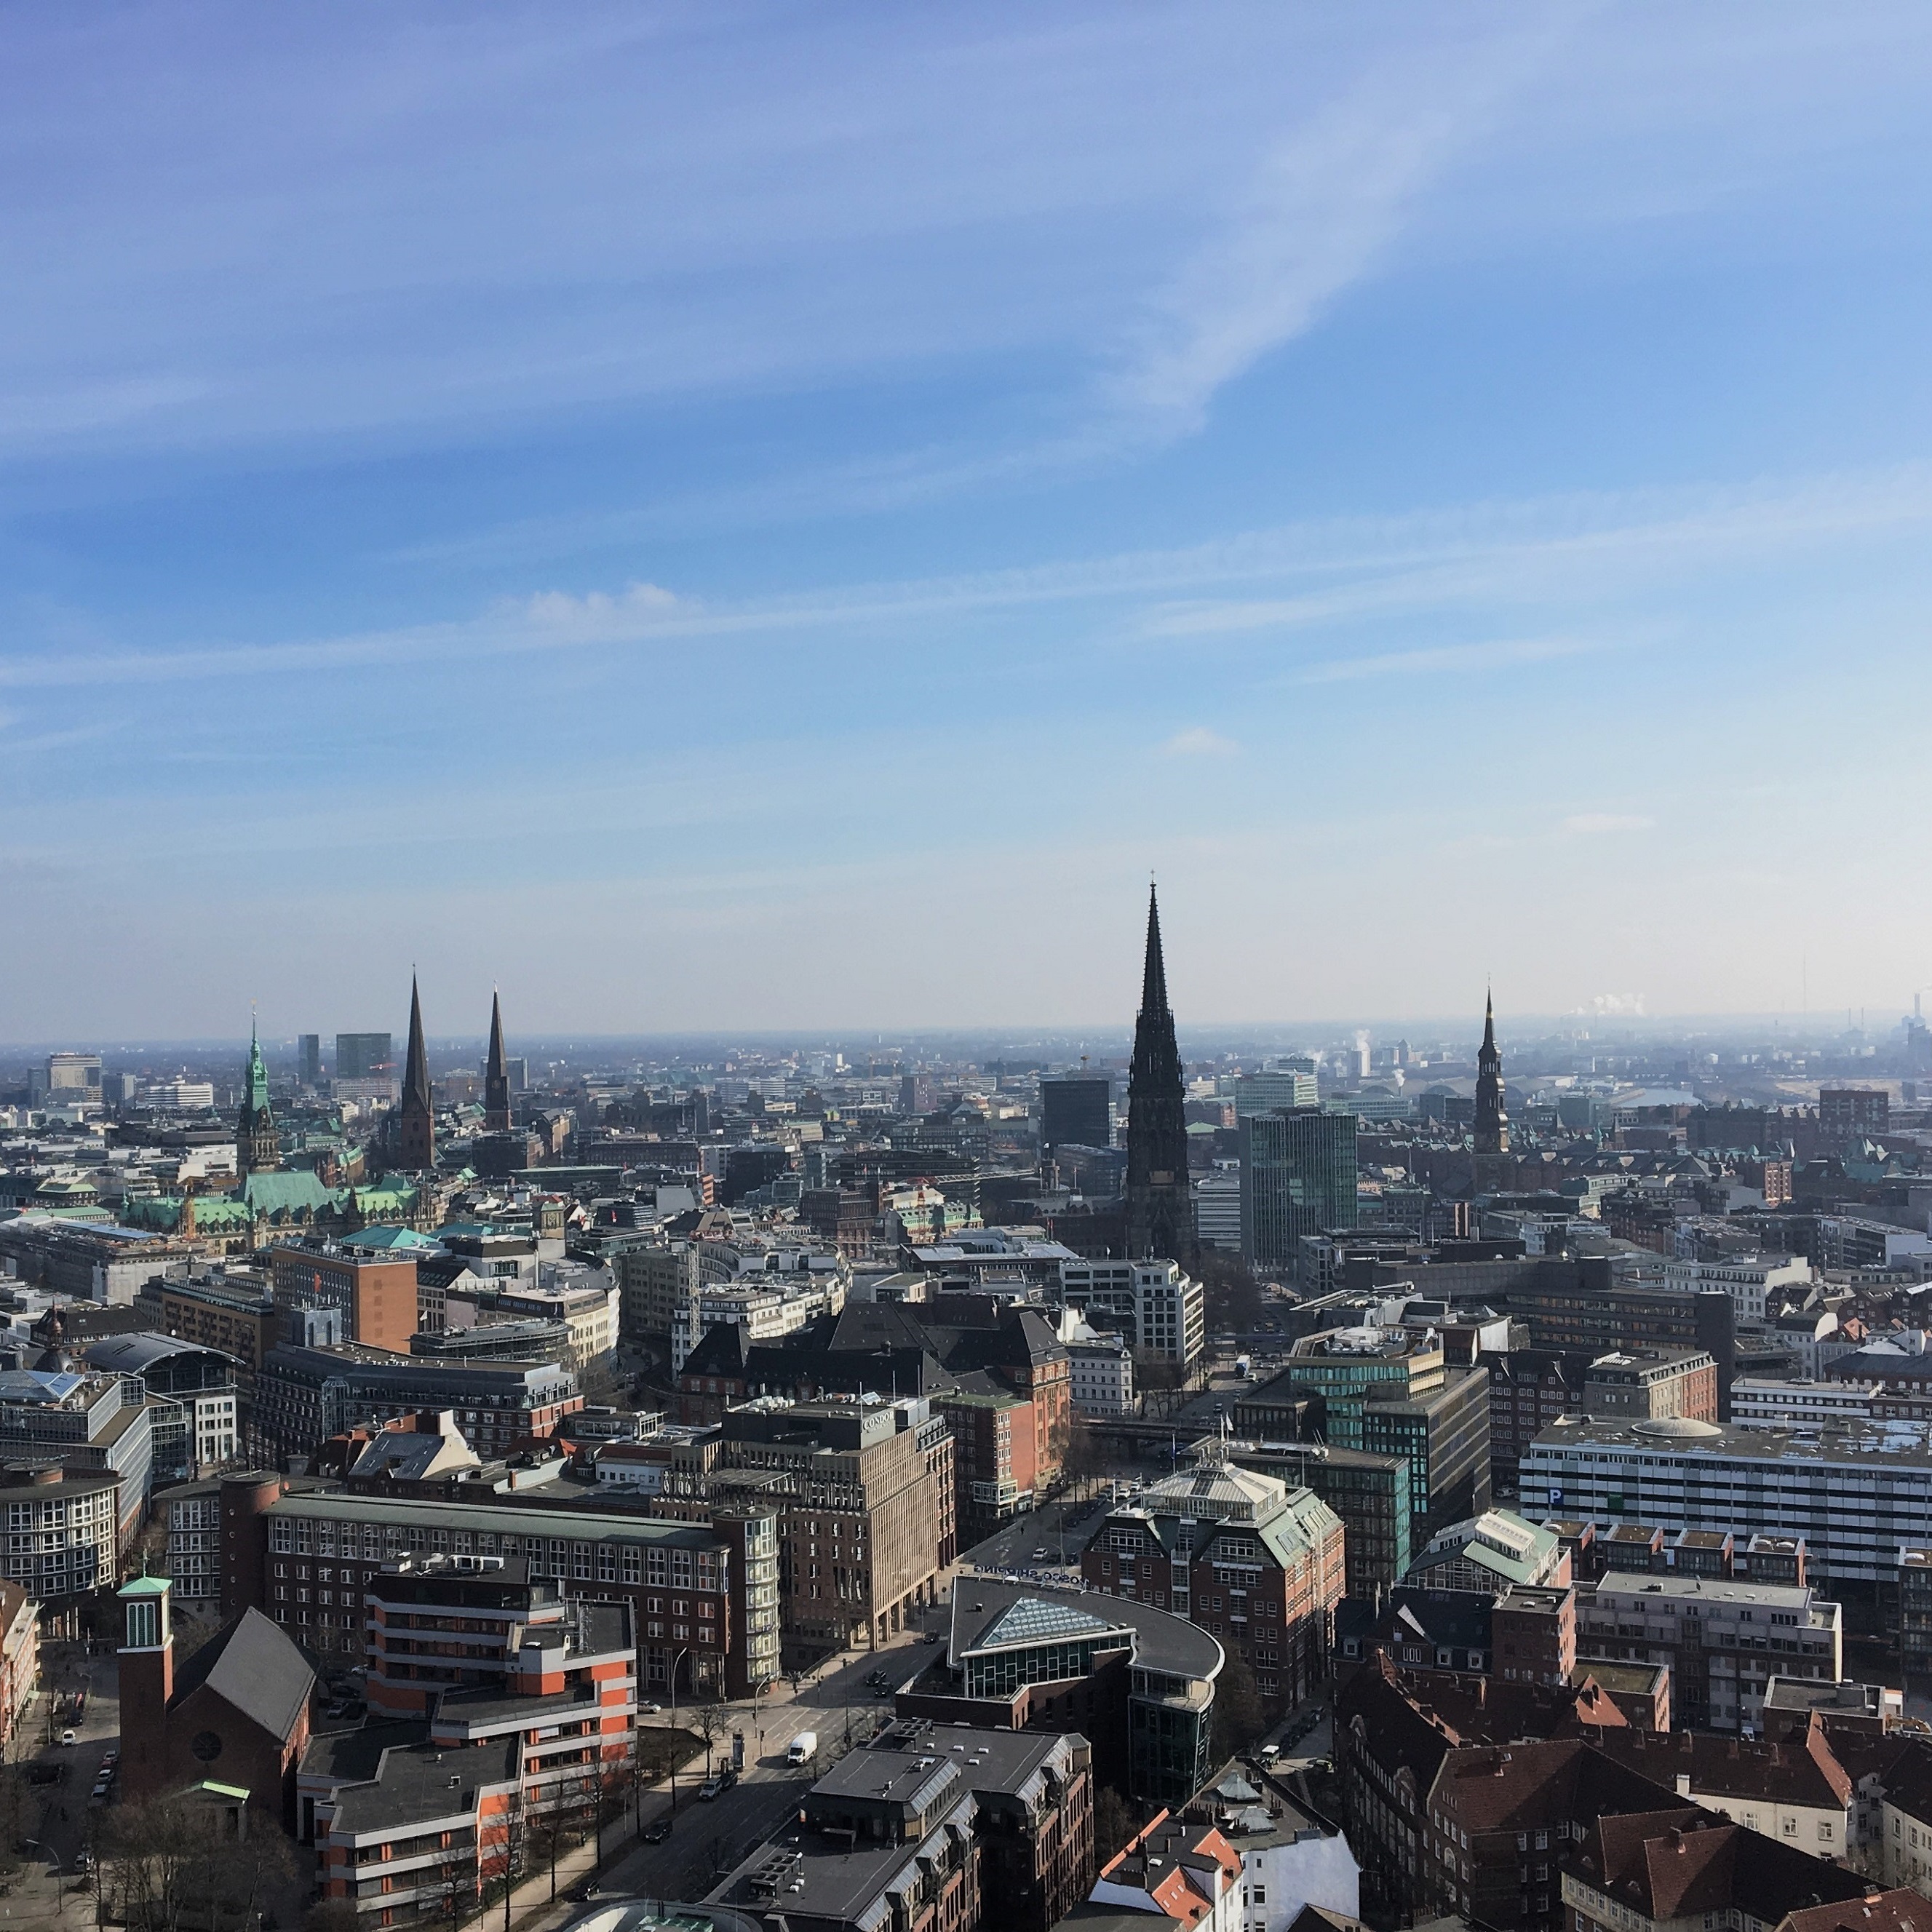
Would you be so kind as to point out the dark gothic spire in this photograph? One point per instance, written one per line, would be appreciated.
(415, 1136)
(1492, 1122)
(415, 1072)
(497, 1074)
(1160, 1203)
(1153, 977)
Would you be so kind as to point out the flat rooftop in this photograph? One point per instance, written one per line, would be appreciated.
(1896, 1443)
(1708, 1590)
(422, 1782)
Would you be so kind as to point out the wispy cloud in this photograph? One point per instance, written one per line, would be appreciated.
(1492, 656)
(1198, 741)
(1324, 203)
(1591, 824)
(1554, 550)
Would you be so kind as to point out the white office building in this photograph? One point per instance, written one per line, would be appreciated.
(1748, 1282)
(1217, 1208)
(1855, 1491)
(1781, 1404)
(1101, 1373)
(1153, 1304)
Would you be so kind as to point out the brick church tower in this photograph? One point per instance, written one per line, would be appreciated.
(147, 1662)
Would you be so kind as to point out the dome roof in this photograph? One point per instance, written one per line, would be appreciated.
(1677, 1429)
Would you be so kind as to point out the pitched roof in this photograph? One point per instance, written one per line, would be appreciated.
(250, 1664)
(1801, 1770)
(1903, 1910)
(1675, 1862)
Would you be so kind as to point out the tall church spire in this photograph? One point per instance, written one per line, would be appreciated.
(1159, 1205)
(257, 1148)
(496, 1075)
(1491, 1123)
(1154, 973)
(415, 1136)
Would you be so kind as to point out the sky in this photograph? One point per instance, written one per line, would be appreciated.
(733, 516)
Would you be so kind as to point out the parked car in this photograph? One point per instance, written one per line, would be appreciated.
(720, 1781)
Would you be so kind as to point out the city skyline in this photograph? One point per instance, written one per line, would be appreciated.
(658, 482)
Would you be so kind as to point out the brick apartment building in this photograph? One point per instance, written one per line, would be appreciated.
(1257, 1565)
(376, 1294)
(529, 1703)
(860, 1507)
(303, 1395)
(1446, 1821)
(704, 1596)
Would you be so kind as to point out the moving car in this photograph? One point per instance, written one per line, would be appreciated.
(659, 1828)
(67, 1737)
(803, 1748)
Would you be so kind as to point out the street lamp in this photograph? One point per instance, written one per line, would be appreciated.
(677, 1658)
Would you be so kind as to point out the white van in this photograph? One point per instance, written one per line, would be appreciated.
(804, 1748)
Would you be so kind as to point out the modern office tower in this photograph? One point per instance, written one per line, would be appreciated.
(1272, 1092)
(257, 1149)
(1159, 1205)
(1217, 1208)
(70, 1074)
(1491, 1122)
(311, 1059)
(363, 1056)
(1075, 1110)
(1297, 1177)
(518, 1071)
(496, 1076)
(416, 1132)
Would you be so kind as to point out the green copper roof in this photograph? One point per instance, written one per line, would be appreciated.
(295, 1191)
(144, 1586)
(257, 1102)
(389, 1239)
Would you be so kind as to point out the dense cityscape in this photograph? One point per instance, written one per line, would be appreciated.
(959, 969)
(1148, 1482)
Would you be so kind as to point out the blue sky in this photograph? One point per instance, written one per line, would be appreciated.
(737, 516)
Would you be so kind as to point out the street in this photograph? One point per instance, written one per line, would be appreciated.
(709, 1838)
(58, 1815)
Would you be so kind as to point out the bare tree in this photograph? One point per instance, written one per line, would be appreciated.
(713, 1721)
(1114, 1823)
(13, 1815)
(1239, 1718)
(169, 1859)
(330, 1915)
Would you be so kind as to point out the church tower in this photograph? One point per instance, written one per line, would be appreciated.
(416, 1126)
(1160, 1207)
(1491, 1122)
(257, 1149)
(147, 1665)
(496, 1076)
